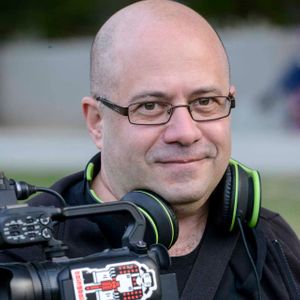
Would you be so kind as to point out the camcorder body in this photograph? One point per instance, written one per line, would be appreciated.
(133, 271)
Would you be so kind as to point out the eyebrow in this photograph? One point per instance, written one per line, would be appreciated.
(146, 94)
(159, 94)
(206, 90)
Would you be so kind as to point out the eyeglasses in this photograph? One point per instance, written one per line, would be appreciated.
(158, 112)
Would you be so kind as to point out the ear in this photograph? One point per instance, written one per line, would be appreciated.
(232, 90)
(93, 119)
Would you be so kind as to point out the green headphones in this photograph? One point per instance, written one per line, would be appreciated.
(238, 195)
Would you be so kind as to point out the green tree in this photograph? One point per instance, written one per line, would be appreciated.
(64, 18)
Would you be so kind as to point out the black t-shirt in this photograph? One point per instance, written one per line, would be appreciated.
(182, 267)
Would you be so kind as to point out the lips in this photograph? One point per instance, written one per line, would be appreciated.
(180, 160)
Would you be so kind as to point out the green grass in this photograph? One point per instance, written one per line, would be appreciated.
(280, 193)
(36, 178)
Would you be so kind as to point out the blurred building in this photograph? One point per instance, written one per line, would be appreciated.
(42, 83)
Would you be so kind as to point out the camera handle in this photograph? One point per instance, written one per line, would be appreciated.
(132, 237)
(134, 233)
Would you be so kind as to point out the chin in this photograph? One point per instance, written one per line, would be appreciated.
(188, 189)
(183, 195)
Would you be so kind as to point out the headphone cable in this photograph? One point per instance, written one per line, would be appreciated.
(250, 258)
(52, 192)
(23, 191)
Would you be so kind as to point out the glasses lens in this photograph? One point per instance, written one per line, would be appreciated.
(210, 108)
(149, 112)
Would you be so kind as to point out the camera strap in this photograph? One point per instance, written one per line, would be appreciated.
(210, 264)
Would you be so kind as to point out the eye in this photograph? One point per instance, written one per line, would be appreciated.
(203, 101)
(149, 108)
(206, 104)
(148, 105)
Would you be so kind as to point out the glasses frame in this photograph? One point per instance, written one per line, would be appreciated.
(124, 110)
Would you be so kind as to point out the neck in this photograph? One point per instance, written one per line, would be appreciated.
(102, 190)
(191, 229)
(191, 220)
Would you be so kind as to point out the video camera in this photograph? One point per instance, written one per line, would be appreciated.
(129, 272)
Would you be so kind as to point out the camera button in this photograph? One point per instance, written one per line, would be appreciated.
(44, 219)
(46, 233)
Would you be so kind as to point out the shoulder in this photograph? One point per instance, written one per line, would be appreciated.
(277, 230)
(275, 226)
(283, 250)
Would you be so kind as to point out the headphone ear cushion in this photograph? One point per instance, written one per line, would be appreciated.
(161, 222)
(223, 200)
(228, 196)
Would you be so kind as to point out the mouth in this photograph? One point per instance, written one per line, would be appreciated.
(181, 169)
(181, 160)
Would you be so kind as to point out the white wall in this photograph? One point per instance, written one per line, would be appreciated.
(42, 83)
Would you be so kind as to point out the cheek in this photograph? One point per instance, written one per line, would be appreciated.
(127, 141)
(116, 139)
(219, 134)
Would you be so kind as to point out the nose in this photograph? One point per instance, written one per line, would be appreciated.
(182, 128)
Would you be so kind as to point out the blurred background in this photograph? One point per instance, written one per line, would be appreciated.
(44, 73)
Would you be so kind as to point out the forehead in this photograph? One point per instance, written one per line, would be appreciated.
(170, 57)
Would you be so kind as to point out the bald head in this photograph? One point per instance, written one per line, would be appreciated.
(139, 26)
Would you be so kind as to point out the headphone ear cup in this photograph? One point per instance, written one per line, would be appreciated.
(161, 222)
(237, 195)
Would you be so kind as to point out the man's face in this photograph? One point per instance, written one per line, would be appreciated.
(182, 160)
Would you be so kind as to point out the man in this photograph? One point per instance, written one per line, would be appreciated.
(159, 113)
(169, 60)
